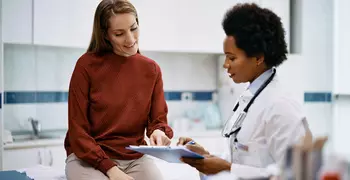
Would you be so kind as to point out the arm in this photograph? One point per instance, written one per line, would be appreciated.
(82, 144)
(158, 114)
(285, 125)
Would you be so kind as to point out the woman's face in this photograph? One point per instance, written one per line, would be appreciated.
(123, 34)
(239, 67)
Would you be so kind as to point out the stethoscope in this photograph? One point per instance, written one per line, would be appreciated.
(236, 127)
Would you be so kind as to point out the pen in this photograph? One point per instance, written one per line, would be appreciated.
(191, 142)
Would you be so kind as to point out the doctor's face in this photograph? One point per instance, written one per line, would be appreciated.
(239, 67)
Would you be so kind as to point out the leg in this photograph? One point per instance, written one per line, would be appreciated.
(144, 169)
(76, 169)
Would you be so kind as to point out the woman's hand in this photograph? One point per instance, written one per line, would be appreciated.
(193, 146)
(158, 138)
(116, 174)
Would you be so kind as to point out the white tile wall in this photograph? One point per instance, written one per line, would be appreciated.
(16, 116)
(54, 67)
(186, 71)
(41, 68)
(341, 124)
(19, 68)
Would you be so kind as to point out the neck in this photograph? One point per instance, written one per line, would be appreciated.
(258, 73)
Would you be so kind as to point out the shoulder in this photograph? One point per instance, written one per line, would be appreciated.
(148, 63)
(284, 105)
(88, 58)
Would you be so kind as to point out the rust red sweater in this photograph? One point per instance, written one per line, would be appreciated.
(112, 100)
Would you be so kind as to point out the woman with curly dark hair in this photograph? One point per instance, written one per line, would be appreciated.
(266, 118)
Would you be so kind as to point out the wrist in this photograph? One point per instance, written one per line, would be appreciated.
(228, 166)
(111, 170)
(158, 131)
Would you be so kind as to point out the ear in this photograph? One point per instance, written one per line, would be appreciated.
(260, 59)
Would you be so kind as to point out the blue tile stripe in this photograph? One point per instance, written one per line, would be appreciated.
(17, 97)
(0, 101)
(23, 97)
(317, 97)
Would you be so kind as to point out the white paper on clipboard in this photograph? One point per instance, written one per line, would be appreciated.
(171, 154)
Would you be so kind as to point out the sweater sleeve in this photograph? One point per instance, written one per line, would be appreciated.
(82, 143)
(158, 114)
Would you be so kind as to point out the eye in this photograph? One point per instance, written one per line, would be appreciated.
(133, 29)
(232, 58)
(118, 34)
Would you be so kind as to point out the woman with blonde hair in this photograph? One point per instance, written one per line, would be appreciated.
(115, 94)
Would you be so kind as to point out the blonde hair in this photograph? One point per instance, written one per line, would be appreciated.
(106, 9)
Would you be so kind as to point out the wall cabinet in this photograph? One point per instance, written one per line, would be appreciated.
(64, 23)
(171, 26)
(17, 21)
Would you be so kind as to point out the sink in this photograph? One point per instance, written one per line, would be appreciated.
(32, 137)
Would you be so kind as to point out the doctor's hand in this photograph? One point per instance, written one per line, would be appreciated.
(116, 174)
(184, 141)
(209, 165)
(158, 138)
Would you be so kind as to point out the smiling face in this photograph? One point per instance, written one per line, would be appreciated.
(123, 34)
(239, 66)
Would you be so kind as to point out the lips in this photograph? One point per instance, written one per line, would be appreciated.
(131, 45)
(230, 74)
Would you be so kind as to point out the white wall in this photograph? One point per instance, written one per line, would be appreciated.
(316, 42)
(341, 107)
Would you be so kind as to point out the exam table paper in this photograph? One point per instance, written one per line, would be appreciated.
(41, 172)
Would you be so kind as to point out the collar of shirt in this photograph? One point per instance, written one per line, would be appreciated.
(255, 85)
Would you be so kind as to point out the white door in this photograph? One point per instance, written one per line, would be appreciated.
(22, 158)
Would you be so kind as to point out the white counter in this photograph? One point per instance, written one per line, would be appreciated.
(34, 143)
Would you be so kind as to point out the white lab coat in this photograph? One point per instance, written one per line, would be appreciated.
(274, 121)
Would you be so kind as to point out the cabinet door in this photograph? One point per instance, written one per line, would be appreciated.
(56, 157)
(157, 25)
(182, 25)
(17, 22)
(22, 158)
(64, 23)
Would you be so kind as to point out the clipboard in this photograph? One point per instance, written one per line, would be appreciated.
(171, 154)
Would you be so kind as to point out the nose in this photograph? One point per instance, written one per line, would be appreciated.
(129, 38)
(226, 64)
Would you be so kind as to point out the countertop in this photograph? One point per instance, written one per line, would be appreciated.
(34, 143)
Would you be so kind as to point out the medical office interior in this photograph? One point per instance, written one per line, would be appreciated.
(41, 41)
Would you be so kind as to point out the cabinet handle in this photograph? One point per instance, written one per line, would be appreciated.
(51, 158)
(40, 159)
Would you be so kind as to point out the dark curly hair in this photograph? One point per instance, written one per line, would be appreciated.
(257, 31)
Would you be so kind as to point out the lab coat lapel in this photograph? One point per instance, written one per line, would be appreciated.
(245, 132)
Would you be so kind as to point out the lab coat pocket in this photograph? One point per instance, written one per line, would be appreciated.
(253, 154)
